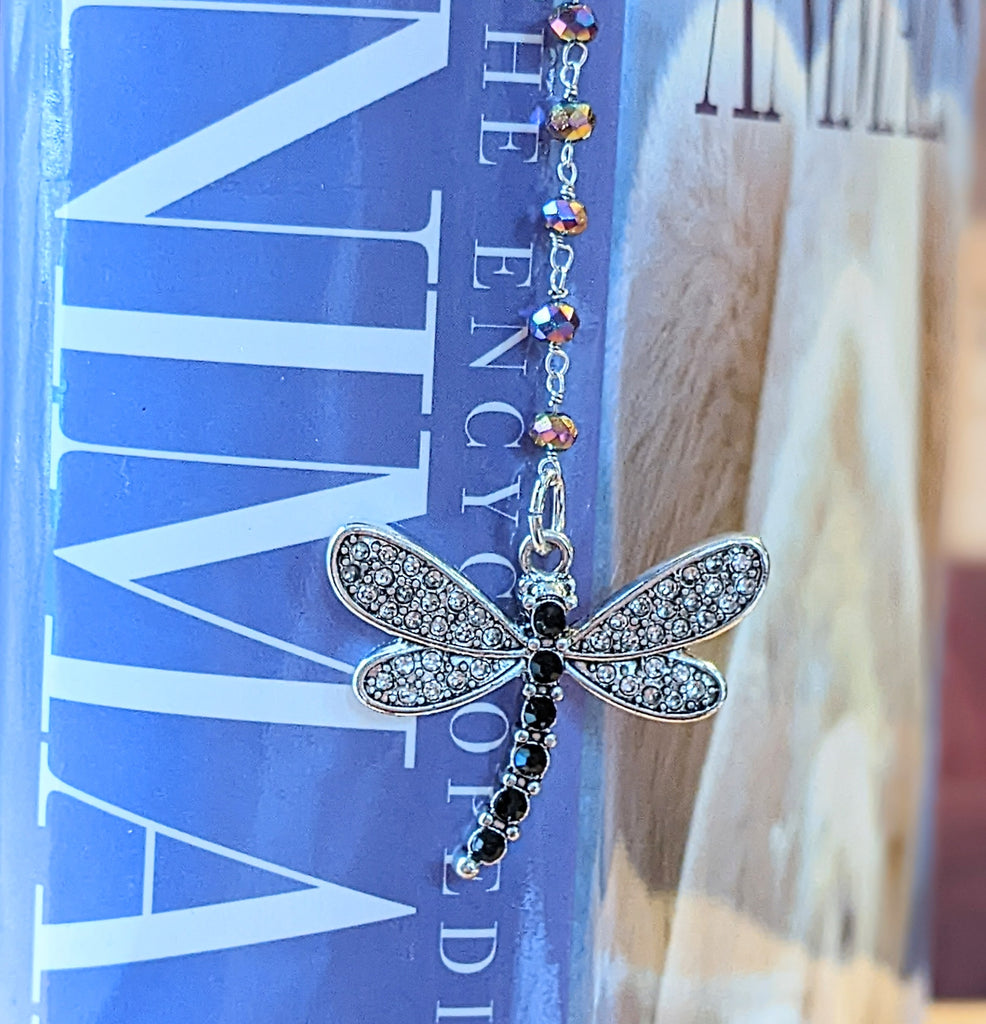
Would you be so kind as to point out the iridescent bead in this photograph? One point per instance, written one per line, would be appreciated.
(573, 23)
(571, 122)
(555, 323)
(565, 216)
(554, 430)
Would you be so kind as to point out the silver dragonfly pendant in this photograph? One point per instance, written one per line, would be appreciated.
(455, 645)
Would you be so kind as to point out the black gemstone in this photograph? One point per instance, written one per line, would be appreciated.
(546, 667)
(549, 619)
(531, 760)
(538, 713)
(511, 805)
(487, 845)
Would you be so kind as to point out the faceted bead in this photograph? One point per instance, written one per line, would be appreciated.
(539, 713)
(548, 619)
(531, 760)
(555, 431)
(545, 667)
(573, 23)
(571, 122)
(511, 805)
(555, 323)
(565, 216)
(487, 845)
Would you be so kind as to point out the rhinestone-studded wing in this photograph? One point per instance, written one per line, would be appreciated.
(691, 598)
(407, 679)
(392, 583)
(672, 687)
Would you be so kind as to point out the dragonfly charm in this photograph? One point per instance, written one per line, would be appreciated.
(455, 645)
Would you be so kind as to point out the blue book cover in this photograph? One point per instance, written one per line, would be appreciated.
(276, 278)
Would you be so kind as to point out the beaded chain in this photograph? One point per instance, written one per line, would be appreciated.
(454, 645)
(569, 120)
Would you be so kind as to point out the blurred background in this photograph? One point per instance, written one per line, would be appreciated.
(959, 943)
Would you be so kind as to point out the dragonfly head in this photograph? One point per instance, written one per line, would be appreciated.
(536, 587)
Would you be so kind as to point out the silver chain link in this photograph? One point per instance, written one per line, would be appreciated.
(556, 364)
(561, 257)
(573, 58)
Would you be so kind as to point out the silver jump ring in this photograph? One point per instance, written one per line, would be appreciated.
(555, 541)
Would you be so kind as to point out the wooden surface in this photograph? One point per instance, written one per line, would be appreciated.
(785, 314)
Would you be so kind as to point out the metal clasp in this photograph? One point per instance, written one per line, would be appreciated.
(549, 483)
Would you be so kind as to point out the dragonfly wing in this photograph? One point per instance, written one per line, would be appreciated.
(696, 596)
(409, 679)
(672, 687)
(397, 586)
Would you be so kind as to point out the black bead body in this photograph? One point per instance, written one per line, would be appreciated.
(548, 620)
(487, 846)
(511, 805)
(545, 667)
(531, 760)
(538, 714)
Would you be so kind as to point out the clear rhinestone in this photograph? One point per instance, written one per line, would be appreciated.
(386, 553)
(404, 665)
(706, 619)
(713, 563)
(746, 586)
(665, 611)
(433, 579)
(477, 616)
(667, 588)
(360, 551)
(651, 695)
(728, 603)
(430, 602)
(411, 565)
(389, 610)
(679, 627)
(740, 560)
(674, 700)
(712, 587)
(350, 573)
(432, 690)
(655, 633)
(693, 689)
(439, 626)
(628, 686)
(653, 667)
(605, 673)
(383, 680)
(479, 669)
(463, 633)
(457, 600)
(403, 595)
(366, 594)
(690, 573)
(641, 607)
(383, 577)
(457, 679)
(407, 695)
(681, 673)
(618, 622)
(413, 619)
(431, 660)
(493, 636)
(691, 600)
